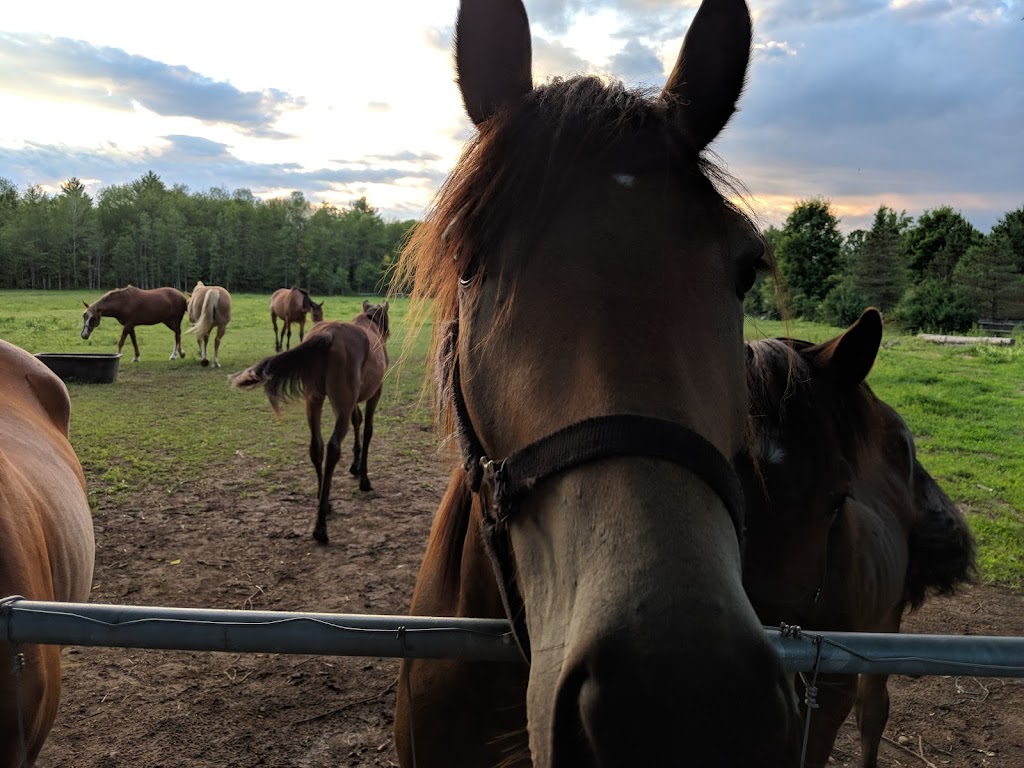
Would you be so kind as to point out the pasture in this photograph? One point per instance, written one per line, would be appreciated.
(201, 498)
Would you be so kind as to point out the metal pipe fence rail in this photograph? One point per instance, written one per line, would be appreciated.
(237, 631)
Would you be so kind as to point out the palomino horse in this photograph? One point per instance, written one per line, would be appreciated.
(345, 363)
(46, 540)
(133, 306)
(581, 229)
(209, 306)
(846, 529)
(292, 305)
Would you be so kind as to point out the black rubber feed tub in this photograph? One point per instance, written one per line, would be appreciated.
(85, 368)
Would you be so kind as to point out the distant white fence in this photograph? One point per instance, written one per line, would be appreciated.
(196, 629)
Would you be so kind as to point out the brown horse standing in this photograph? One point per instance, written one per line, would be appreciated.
(133, 306)
(209, 306)
(580, 229)
(345, 363)
(846, 529)
(46, 540)
(292, 305)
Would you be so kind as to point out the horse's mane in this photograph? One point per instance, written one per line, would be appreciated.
(516, 167)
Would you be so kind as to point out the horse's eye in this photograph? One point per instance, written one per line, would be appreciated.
(749, 273)
(468, 279)
(836, 502)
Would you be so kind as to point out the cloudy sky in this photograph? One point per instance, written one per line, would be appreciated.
(908, 103)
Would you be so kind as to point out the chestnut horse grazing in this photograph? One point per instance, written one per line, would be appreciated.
(292, 305)
(345, 363)
(133, 306)
(209, 306)
(46, 540)
(598, 508)
(846, 529)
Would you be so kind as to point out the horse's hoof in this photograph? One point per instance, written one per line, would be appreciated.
(204, 363)
(354, 470)
(364, 485)
(135, 359)
(320, 536)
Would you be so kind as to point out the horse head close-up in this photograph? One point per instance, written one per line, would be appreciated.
(587, 275)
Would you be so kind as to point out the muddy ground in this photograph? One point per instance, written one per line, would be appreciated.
(224, 543)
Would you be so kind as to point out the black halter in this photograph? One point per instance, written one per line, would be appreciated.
(502, 483)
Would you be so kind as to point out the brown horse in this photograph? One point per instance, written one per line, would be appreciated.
(598, 509)
(846, 529)
(133, 306)
(292, 305)
(209, 306)
(345, 363)
(47, 548)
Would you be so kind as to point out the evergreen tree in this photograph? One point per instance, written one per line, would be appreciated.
(879, 268)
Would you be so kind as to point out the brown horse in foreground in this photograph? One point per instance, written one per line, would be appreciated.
(133, 306)
(345, 363)
(292, 305)
(580, 229)
(209, 306)
(47, 548)
(845, 529)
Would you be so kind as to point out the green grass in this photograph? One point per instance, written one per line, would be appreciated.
(165, 423)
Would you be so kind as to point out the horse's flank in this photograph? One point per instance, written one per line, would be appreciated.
(46, 537)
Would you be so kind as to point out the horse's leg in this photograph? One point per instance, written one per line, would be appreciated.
(302, 328)
(357, 421)
(836, 696)
(288, 330)
(314, 408)
(216, 345)
(330, 462)
(872, 715)
(135, 343)
(371, 406)
(177, 340)
(277, 339)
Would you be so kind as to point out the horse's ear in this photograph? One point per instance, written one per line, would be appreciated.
(492, 55)
(85, 304)
(849, 356)
(708, 77)
(321, 304)
(385, 305)
(366, 305)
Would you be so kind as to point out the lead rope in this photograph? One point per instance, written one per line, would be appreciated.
(408, 695)
(810, 697)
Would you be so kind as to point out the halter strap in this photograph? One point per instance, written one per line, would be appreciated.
(501, 484)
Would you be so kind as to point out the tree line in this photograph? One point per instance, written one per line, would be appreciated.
(936, 273)
(150, 235)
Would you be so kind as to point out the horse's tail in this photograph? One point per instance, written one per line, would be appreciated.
(941, 546)
(289, 374)
(207, 314)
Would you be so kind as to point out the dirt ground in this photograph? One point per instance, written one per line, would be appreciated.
(222, 544)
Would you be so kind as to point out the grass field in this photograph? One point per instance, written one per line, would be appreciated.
(167, 422)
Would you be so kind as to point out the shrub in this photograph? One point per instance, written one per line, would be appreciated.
(935, 306)
(843, 304)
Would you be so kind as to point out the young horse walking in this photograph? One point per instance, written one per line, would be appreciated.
(47, 548)
(209, 306)
(133, 306)
(579, 230)
(345, 363)
(845, 528)
(292, 305)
